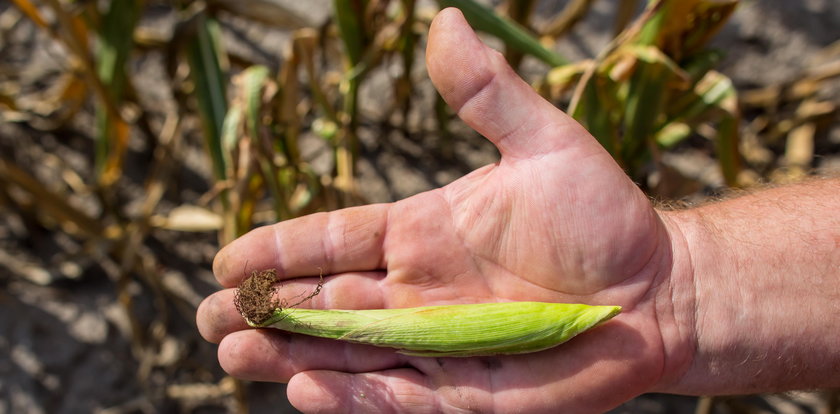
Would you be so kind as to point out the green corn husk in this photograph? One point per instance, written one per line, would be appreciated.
(449, 330)
(445, 330)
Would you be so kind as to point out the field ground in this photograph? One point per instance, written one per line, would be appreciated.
(65, 342)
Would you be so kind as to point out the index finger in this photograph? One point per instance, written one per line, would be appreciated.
(339, 241)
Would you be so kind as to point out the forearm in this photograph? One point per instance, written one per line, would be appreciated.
(765, 270)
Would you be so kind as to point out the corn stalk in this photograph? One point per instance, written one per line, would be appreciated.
(653, 87)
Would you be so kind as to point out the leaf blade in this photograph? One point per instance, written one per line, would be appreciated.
(514, 35)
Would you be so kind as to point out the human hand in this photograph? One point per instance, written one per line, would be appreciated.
(556, 220)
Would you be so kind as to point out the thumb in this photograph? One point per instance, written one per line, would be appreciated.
(489, 96)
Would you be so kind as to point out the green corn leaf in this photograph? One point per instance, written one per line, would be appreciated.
(115, 45)
(254, 80)
(701, 63)
(672, 134)
(714, 90)
(229, 139)
(597, 111)
(515, 36)
(645, 99)
(449, 330)
(205, 60)
(654, 79)
(654, 26)
(712, 98)
(727, 148)
(348, 16)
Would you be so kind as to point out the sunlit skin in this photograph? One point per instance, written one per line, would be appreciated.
(712, 298)
(554, 220)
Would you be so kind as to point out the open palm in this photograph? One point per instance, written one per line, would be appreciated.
(555, 220)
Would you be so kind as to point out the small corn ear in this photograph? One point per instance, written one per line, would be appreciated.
(450, 330)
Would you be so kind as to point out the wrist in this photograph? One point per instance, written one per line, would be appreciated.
(675, 297)
(758, 280)
(715, 301)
